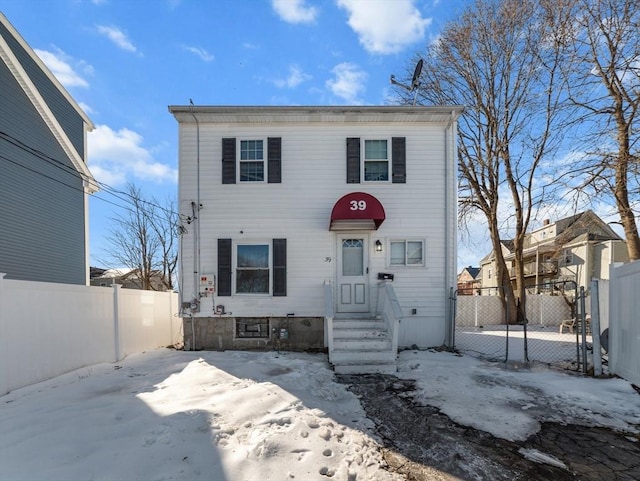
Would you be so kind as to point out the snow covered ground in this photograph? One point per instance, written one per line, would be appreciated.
(233, 416)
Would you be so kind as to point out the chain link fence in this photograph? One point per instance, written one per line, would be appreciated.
(553, 333)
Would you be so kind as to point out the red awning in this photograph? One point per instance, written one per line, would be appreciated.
(357, 211)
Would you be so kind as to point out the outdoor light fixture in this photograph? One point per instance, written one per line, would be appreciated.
(378, 246)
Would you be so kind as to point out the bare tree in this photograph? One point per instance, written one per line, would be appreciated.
(603, 81)
(144, 240)
(500, 60)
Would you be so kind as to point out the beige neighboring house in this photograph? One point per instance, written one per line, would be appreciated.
(577, 248)
(127, 278)
(487, 276)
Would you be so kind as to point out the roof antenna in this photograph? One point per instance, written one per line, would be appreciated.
(415, 81)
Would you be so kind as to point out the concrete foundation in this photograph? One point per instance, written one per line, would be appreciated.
(254, 334)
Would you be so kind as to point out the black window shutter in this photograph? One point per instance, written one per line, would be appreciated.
(353, 160)
(228, 161)
(398, 160)
(275, 156)
(279, 267)
(224, 267)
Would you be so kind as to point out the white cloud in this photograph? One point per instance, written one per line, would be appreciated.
(118, 37)
(295, 78)
(348, 82)
(294, 11)
(116, 156)
(200, 52)
(385, 27)
(60, 65)
(86, 108)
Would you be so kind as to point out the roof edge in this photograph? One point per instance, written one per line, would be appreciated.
(256, 109)
(5, 21)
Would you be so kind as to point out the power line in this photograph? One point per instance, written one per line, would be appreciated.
(72, 171)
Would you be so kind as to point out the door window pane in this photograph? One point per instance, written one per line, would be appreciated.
(352, 257)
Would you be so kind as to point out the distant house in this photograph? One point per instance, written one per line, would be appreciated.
(469, 281)
(44, 179)
(577, 248)
(127, 278)
(488, 276)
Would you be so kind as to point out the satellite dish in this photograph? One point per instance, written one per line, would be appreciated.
(415, 81)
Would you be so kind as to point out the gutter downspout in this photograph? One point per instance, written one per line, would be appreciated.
(196, 234)
(450, 243)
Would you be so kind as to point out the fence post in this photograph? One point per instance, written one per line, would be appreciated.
(116, 321)
(452, 318)
(584, 330)
(595, 327)
(506, 313)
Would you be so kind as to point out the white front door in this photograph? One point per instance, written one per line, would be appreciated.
(353, 273)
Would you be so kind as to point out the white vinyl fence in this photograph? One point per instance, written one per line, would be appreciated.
(624, 322)
(48, 329)
(479, 311)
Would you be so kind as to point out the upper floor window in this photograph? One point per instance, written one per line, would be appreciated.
(406, 253)
(376, 161)
(567, 256)
(251, 161)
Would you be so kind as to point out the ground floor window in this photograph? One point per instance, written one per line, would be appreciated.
(252, 269)
(406, 253)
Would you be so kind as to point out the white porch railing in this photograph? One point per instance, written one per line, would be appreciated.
(389, 309)
(329, 314)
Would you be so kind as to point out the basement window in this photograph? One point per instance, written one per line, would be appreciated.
(249, 328)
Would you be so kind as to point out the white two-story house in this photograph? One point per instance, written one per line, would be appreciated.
(297, 218)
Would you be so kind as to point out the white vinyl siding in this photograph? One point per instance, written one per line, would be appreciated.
(313, 179)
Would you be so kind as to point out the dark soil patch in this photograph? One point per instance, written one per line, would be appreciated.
(423, 444)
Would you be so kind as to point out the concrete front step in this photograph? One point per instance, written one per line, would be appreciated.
(379, 368)
(352, 356)
(359, 324)
(365, 333)
(361, 344)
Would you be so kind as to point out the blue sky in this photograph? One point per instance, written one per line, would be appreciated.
(124, 62)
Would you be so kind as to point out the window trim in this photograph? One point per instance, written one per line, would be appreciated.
(264, 160)
(423, 241)
(234, 266)
(363, 159)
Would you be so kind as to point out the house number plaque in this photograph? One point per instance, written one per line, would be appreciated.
(358, 205)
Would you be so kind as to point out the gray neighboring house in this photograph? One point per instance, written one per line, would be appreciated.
(44, 179)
